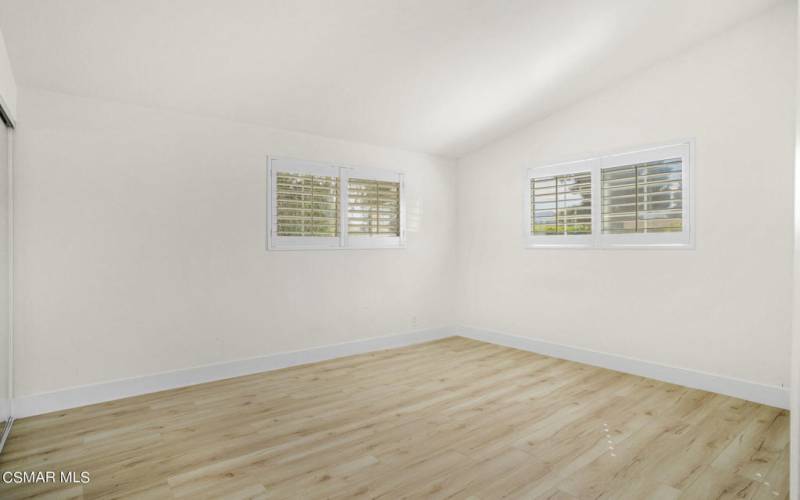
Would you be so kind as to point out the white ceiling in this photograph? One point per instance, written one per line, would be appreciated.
(437, 76)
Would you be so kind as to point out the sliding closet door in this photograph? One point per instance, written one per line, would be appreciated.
(5, 355)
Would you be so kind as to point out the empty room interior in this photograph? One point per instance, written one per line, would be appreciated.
(468, 249)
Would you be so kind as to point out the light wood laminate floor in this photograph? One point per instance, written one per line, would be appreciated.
(455, 418)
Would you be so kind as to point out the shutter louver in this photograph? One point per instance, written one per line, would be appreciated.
(307, 205)
(373, 208)
(561, 204)
(643, 198)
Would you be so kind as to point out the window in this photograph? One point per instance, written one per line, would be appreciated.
(562, 204)
(307, 205)
(373, 208)
(637, 199)
(643, 198)
(313, 205)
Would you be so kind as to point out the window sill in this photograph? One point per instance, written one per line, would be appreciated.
(619, 246)
(394, 244)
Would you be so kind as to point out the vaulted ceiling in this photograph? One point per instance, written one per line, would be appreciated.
(438, 76)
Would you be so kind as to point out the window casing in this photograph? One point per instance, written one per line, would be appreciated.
(639, 199)
(322, 206)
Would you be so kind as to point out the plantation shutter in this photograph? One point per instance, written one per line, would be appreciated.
(306, 205)
(643, 198)
(373, 207)
(561, 204)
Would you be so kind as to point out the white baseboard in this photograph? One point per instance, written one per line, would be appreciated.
(38, 404)
(760, 393)
(117, 389)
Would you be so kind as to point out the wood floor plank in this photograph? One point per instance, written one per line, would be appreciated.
(454, 418)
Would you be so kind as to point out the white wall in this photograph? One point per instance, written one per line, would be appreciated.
(140, 246)
(140, 233)
(724, 308)
(8, 87)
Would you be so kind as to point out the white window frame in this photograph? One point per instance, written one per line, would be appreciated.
(682, 239)
(382, 241)
(554, 240)
(276, 242)
(343, 241)
(677, 240)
